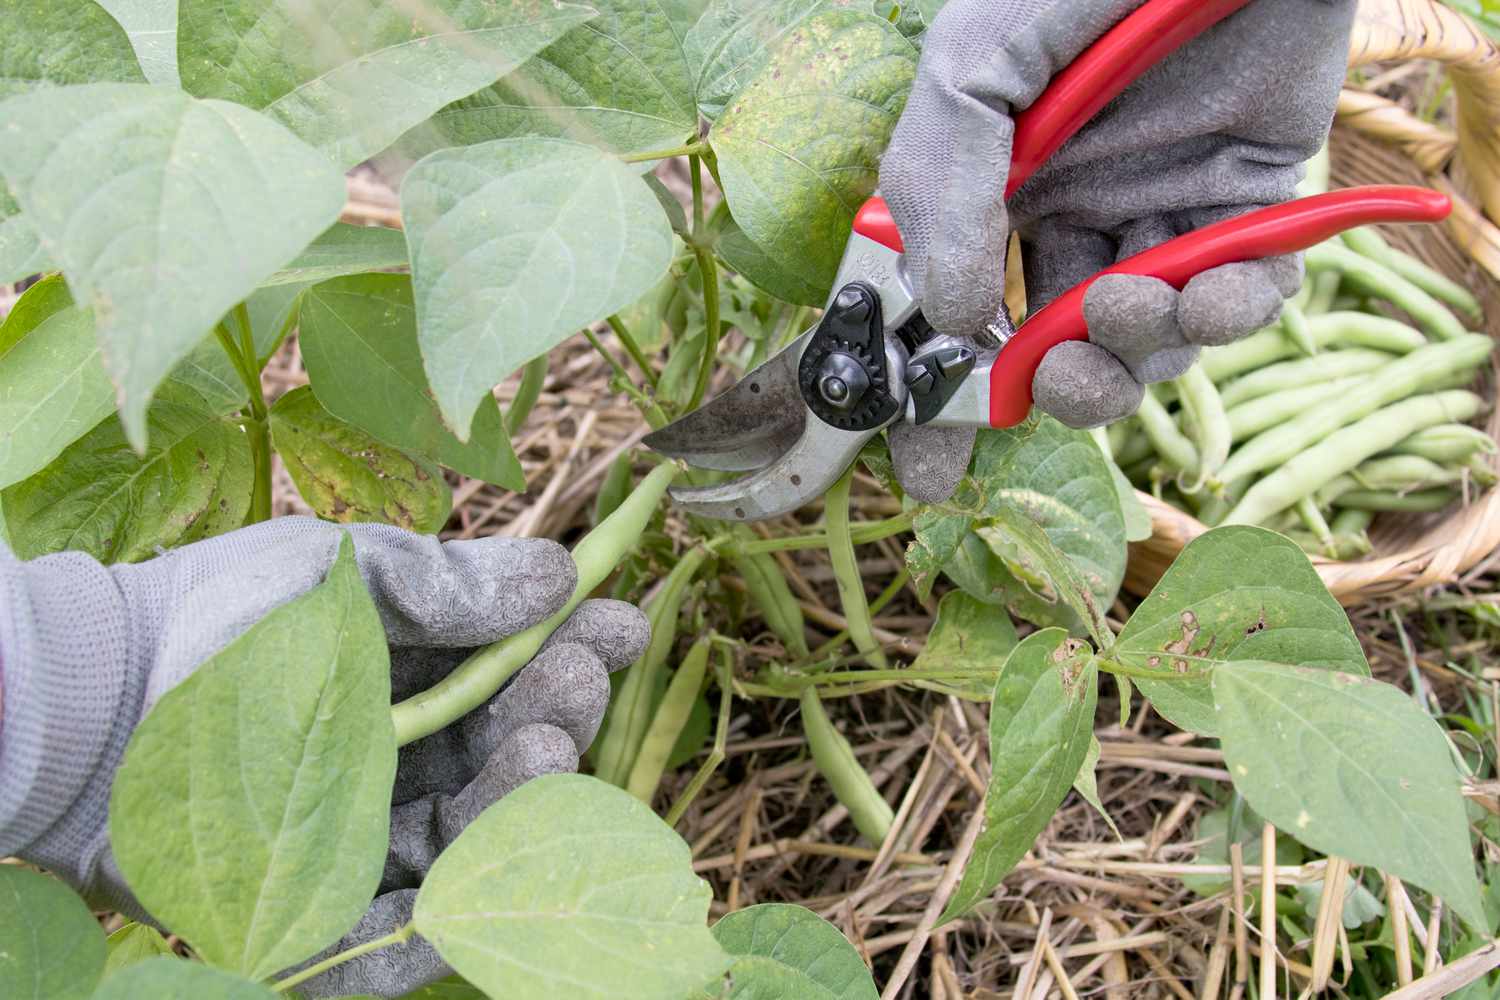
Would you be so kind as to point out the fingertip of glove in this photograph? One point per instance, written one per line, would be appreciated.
(614, 631)
(930, 462)
(1083, 385)
(1228, 303)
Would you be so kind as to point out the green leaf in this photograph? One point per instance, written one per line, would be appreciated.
(269, 310)
(131, 945)
(176, 979)
(566, 867)
(786, 952)
(252, 810)
(452, 988)
(350, 76)
(1132, 511)
(1041, 721)
(341, 250)
(798, 149)
(345, 475)
(968, 635)
(1051, 587)
(106, 171)
(358, 337)
(51, 947)
(52, 42)
(1351, 767)
(1087, 784)
(1236, 593)
(99, 497)
(734, 39)
(152, 27)
(53, 387)
(515, 244)
(21, 253)
(620, 81)
(767, 271)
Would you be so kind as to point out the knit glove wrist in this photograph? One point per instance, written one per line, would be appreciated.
(1217, 129)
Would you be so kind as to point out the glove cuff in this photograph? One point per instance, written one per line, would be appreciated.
(64, 666)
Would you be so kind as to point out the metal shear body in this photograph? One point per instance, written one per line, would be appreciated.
(797, 422)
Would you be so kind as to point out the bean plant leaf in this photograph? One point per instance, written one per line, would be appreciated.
(350, 76)
(51, 947)
(99, 497)
(1087, 784)
(152, 28)
(562, 867)
(452, 988)
(968, 638)
(767, 270)
(132, 944)
(620, 81)
(21, 253)
(282, 746)
(345, 475)
(798, 149)
(105, 171)
(176, 979)
(786, 952)
(358, 337)
(51, 42)
(735, 39)
(1052, 588)
(1041, 721)
(1236, 593)
(515, 244)
(1352, 767)
(344, 249)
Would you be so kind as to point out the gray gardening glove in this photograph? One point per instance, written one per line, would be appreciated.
(86, 650)
(1221, 127)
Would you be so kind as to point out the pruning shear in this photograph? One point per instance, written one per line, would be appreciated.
(800, 420)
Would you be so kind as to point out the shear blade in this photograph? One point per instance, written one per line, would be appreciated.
(805, 471)
(746, 427)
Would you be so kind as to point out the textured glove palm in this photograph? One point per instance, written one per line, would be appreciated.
(86, 650)
(1219, 128)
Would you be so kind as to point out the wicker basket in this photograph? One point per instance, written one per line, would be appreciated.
(1377, 141)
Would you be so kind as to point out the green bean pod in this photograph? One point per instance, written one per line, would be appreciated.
(1303, 372)
(1352, 522)
(477, 679)
(1338, 453)
(846, 572)
(1297, 330)
(1371, 244)
(1134, 446)
(1201, 403)
(1325, 291)
(1375, 278)
(615, 488)
(631, 708)
(851, 783)
(1419, 502)
(1180, 454)
(1313, 518)
(666, 727)
(1416, 372)
(1448, 443)
(773, 598)
(533, 376)
(1329, 330)
(1264, 412)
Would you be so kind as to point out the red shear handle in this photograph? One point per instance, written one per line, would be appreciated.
(1269, 232)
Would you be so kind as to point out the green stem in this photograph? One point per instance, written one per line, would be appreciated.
(886, 597)
(697, 175)
(708, 270)
(260, 455)
(724, 672)
(632, 348)
(399, 935)
(258, 428)
(1119, 669)
(247, 338)
(863, 533)
(649, 407)
(846, 571)
(527, 392)
(688, 149)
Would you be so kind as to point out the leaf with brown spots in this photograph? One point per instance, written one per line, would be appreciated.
(1351, 767)
(1236, 593)
(1041, 722)
(347, 476)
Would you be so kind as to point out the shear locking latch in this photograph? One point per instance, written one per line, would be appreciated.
(844, 376)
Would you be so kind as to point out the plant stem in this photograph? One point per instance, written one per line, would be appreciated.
(1119, 669)
(708, 270)
(399, 935)
(258, 428)
(631, 347)
(862, 533)
(846, 571)
(649, 407)
(688, 149)
(697, 174)
(724, 672)
(532, 378)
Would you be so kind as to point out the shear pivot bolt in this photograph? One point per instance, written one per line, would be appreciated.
(842, 382)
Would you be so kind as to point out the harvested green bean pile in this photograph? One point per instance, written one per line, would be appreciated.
(1336, 413)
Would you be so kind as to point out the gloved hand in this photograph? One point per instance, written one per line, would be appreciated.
(1221, 127)
(87, 650)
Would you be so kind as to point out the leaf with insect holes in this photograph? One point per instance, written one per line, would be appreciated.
(343, 249)
(350, 76)
(51, 947)
(177, 979)
(784, 951)
(1235, 593)
(347, 476)
(620, 81)
(798, 149)
(99, 497)
(562, 867)
(281, 745)
(970, 639)
(133, 944)
(515, 245)
(105, 171)
(358, 337)
(152, 28)
(1041, 721)
(1352, 767)
(1048, 585)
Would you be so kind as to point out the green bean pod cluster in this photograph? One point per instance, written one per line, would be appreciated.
(1355, 403)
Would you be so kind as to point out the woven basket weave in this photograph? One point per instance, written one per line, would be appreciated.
(1378, 142)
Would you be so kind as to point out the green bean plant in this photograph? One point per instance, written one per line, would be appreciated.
(175, 173)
